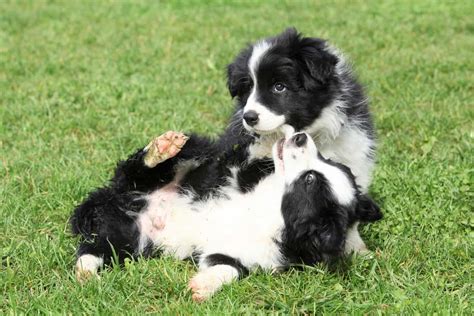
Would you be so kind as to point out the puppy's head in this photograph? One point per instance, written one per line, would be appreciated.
(287, 79)
(321, 198)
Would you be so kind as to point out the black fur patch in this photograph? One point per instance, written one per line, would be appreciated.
(106, 229)
(315, 223)
(252, 173)
(218, 258)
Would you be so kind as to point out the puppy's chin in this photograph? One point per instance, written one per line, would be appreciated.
(287, 130)
(257, 131)
(283, 129)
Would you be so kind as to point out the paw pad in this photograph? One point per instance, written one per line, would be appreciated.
(164, 147)
(203, 285)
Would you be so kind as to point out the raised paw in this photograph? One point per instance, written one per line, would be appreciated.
(164, 147)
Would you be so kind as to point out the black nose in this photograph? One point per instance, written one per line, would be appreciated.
(251, 117)
(300, 139)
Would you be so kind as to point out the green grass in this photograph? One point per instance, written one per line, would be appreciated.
(82, 85)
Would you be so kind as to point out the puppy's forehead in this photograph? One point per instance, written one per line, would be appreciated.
(259, 51)
(273, 63)
(268, 55)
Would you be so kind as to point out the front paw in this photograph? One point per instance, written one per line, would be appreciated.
(164, 147)
(203, 285)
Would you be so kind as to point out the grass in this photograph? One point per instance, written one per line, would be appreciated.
(82, 84)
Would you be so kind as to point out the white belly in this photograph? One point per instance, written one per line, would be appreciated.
(244, 226)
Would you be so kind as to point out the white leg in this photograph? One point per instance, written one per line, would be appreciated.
(354, 243)
(87, 267)
(208, 281)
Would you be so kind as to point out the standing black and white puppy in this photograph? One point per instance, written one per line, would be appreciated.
(290, 82)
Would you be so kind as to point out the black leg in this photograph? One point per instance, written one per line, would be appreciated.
(218, 258)
(133, 175)
(106, 223)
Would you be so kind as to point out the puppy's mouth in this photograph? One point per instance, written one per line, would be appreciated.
(264, 132)
(260, 131)
(280, 144)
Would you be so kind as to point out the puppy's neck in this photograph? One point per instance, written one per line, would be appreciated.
(327, 127)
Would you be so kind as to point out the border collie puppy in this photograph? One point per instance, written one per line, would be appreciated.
(303, 83)
(292, 83)
(281, 84)
(299, 214)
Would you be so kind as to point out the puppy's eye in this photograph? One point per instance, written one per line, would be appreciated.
(279, 87)
(310, 178)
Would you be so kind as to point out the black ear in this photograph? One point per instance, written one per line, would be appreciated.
(232, 80)
(238, 76)
(367, 210)
(314, 56)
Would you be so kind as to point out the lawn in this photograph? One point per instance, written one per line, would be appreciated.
(83, 84)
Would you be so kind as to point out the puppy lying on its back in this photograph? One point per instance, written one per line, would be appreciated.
(299, 214)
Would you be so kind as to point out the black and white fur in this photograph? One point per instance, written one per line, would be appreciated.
(320, 97)
(300, 214)
(291, 82)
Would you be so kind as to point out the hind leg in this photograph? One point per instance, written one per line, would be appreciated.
(106, 218)
(87, 267)
(106, 230)
(92, 255)
(103, 250)
(90, 258)
(215, 271)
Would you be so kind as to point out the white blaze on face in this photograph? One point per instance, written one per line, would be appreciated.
(267, 120)
(297, 160)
